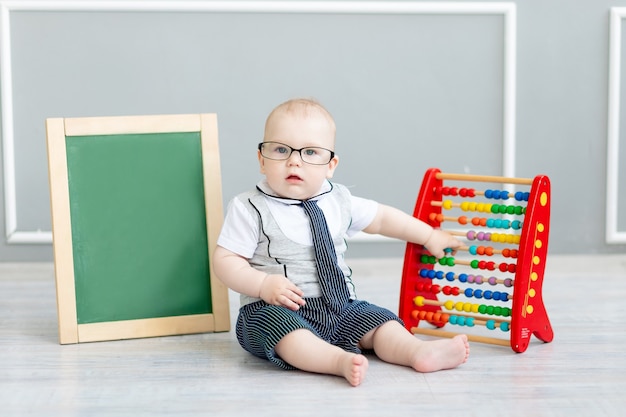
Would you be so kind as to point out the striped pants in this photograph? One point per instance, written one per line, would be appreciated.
(261, 326)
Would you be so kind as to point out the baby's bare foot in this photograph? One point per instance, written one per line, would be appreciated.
(441, 354)
(355, 368)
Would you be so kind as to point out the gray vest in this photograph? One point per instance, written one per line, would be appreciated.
(277, 254)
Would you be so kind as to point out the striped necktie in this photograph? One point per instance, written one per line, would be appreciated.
(331, 277)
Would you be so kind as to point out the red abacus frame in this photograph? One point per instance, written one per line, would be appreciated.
(419, 294)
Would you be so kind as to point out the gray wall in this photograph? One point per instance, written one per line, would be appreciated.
(408, 91)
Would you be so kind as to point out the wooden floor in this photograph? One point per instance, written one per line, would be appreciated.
(582, 372)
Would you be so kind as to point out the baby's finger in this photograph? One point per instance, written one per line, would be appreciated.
(292, 303)
(294, 288)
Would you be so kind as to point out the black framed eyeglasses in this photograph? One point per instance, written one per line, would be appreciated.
(311, 155)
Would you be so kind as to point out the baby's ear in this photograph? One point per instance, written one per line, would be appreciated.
(331, 167)
(261, 162)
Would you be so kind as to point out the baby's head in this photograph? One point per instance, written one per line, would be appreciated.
(293, 128)
(300, 109)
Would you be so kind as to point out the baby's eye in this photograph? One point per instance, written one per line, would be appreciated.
(281, 149)
(310, 151)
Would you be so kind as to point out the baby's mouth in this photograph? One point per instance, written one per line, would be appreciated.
(294, 178)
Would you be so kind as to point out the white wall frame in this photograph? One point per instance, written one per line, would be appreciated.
(507, 10)
(613, 235)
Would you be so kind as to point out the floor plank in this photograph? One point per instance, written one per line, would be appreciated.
(582, 372)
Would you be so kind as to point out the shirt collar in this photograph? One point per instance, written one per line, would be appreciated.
(264, 188)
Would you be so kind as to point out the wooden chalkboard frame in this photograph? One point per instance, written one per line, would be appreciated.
(70, 329)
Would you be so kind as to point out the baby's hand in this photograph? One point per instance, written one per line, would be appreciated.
(279, 291)
(440, 240)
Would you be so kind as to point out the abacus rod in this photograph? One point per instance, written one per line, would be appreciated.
(483, 178)
(457, 232)
(471, 337)
(467, 248)
(477, 318)
(438, 303)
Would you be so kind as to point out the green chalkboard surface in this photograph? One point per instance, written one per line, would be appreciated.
(136, 210)
(130, 202)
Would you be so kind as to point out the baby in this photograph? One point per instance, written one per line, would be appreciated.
(298, 311)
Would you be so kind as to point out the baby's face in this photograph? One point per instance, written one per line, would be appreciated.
(293, 178)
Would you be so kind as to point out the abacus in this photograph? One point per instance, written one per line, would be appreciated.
(508, 262)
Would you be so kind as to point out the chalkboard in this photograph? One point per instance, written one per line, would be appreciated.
(136, 208)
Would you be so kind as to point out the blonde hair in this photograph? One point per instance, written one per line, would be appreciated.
(301, 107)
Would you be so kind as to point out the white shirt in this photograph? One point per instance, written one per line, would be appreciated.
(240, 229)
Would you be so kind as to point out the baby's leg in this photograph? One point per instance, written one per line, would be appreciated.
(304, 350)
(393, 343)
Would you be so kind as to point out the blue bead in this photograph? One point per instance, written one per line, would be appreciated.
(488, 294)
(478, 293)
(463, 277)
(469, 292)
(450, 276)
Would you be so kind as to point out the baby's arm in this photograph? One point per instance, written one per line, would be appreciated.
(235, 271)
(395, 223)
